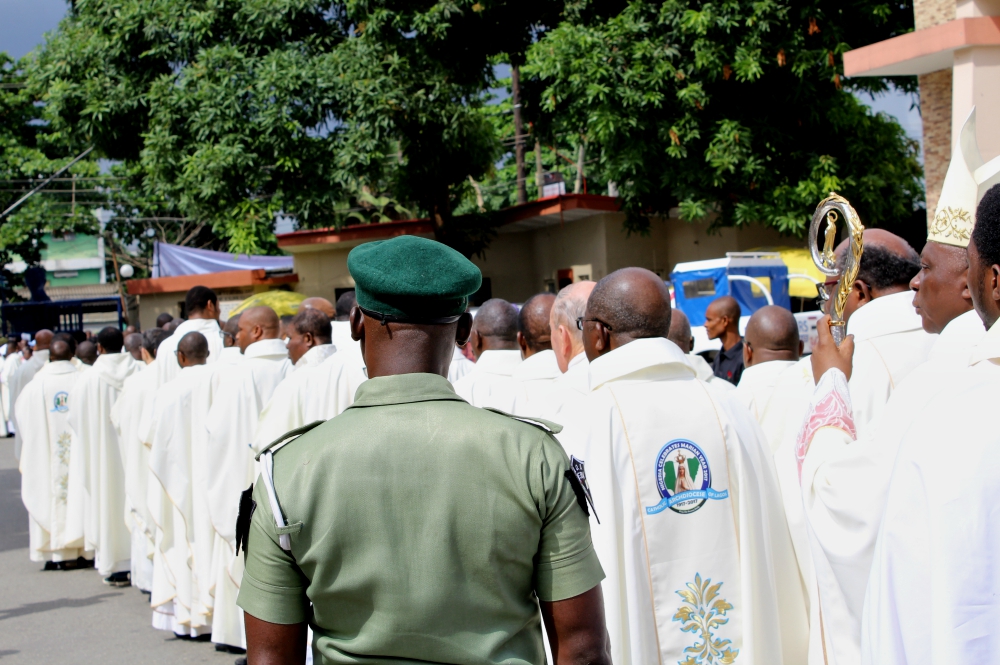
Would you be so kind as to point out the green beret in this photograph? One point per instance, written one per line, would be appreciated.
(409, 278)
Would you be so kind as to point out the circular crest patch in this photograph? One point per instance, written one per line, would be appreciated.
(60, 402)
(683, 478)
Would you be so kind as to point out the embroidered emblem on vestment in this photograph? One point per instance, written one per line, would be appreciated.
(699, 614)
(683, 478)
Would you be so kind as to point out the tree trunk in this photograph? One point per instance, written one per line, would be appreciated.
(515, 84)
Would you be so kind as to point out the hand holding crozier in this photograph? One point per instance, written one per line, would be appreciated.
(827, 355)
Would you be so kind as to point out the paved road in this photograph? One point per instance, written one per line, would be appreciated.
(70, 617)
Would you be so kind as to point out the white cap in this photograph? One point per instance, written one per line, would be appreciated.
(956, 208)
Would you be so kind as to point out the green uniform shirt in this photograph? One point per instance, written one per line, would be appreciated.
(429, 528)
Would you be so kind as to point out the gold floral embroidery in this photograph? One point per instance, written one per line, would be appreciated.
(62, 454)
(952, 223)
(700, 615)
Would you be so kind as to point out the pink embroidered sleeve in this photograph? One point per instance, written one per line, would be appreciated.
(830, 407)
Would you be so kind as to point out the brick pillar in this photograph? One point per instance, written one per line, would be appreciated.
(935, 104)
(935, 111)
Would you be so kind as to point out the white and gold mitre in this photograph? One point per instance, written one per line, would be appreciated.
(956, 208)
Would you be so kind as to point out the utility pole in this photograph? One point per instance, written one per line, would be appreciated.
(515, 85)
(578, 185)
(539, 174)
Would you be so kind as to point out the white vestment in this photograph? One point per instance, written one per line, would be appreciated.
(315, 356)
(933, 590)
(10, 365)
(537, 375)
(168, 367)
(21, 377)
(311, 394)
(757, 385)
(43, 409)
(565, 389)
(230, 355)
(845, 476)
(96, 463)
(491, 382)
(889, 342)
(236, 404)
(126, 416)
(460, 366)
(340, 335)
(185, 539)
(691, 535)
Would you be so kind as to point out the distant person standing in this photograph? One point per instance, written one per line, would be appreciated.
(722, 322)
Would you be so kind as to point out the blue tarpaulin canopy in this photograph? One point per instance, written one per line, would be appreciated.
(698, 283)
(174, 260)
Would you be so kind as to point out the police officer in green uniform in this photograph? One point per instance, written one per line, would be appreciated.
(413, 527)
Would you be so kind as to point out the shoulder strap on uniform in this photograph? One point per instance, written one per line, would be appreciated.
(288, 436)
(544, 425)
(267, 474)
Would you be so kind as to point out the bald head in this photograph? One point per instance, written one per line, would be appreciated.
(322, 304)
(86, 351)
(60, 349)
(533, 324)
(570, 304)
(256, 324)
(43, 338)
(888, 263)
(772, 334)
(229, 330)
(628, 304)
(192, 350)
(495, 327)
(680, 331)
(133, 345)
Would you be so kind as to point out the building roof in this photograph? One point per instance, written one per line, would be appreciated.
(213, 280)
(922, 51)
(525, 217)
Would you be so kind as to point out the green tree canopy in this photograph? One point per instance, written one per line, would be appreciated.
(733, 107)
(235, 110)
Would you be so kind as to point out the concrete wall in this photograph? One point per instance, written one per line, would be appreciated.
(152, 305)
(322, 272)
(518, 264)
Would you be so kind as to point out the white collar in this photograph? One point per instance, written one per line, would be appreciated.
(638, 355)
(498, 362)
(958, 339)
(198, 325)
(316, 355)
(765, 372)
(886, 315)
(988, 347)
(267, 348)
(59, 367)
(578, 359)
(542, 365)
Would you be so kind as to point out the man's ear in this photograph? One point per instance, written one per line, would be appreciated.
(309, 339)
(995, 282)
(747, 354)
(523, 343)
(802, 347)
(476, 340)
(356, 319)
(862, 290)
(464, 329)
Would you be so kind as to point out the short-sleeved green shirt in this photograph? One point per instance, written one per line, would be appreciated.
(430, 529)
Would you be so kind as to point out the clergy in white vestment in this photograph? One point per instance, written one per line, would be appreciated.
(11, 362)
(539, 368)
(845, 477)
(685, 512)
(311, 394)
(494, 343)
(96, 456)
(185, 540)
(771, 345)
(460, 365)
(567, 345)
(202, 307)
(933, 590)
(680, 334)
(309, 342)
(243, 391)
(43, 409)
(23, 375)
(230, 353)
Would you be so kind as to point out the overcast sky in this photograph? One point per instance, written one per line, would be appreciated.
(25, 22)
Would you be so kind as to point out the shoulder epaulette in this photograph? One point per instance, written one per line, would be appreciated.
(544, 425)
(288, 436)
